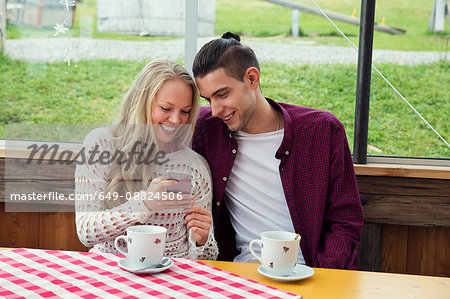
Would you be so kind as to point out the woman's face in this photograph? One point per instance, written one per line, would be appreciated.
(172, 108)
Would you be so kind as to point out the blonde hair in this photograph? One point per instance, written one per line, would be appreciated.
(134, 125)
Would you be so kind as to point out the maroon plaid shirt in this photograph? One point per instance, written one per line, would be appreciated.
(318, 179)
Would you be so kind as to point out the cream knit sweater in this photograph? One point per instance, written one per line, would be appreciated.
(98, 226)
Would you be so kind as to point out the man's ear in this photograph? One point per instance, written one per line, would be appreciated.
(252, 77)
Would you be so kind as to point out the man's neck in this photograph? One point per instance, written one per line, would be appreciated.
(264, 118)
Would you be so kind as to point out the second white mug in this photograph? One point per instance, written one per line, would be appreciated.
(279, 251)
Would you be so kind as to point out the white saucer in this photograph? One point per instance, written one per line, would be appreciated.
(125, 264)
(300, 272)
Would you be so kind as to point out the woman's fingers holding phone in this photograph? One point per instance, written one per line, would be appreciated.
(164, 202)
(159, 185)
(161, 204)
(156, 198)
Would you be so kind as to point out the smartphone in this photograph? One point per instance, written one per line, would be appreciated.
(184, 182)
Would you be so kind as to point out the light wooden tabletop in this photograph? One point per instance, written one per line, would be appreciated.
(329, 283)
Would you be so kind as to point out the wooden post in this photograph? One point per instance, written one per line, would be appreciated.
(40, 12)
(295, 22)
(2, 25)
(437, 18)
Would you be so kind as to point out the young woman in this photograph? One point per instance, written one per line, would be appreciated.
(123, 182)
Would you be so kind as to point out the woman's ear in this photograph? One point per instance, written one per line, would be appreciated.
(253, 76)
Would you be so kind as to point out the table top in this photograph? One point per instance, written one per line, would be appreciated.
(26, 272)
(330, 283)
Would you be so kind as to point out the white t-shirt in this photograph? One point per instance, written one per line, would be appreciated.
(256, 199)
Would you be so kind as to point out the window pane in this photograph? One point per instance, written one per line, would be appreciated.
(74, 66)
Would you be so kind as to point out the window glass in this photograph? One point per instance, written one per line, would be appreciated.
(71, 62)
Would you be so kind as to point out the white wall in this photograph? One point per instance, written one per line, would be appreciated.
(155, 17)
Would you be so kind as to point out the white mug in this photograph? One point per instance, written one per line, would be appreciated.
(145, 245)
(279, 251)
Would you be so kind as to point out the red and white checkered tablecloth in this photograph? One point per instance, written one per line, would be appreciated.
(26, 273)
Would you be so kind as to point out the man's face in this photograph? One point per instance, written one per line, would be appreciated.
(230, 99)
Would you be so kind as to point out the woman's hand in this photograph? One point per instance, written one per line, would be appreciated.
(199, 220)
(161, 199)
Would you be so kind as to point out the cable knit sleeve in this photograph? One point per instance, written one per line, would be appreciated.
(202, 192)
(94, 223)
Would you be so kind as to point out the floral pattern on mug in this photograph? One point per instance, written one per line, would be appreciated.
(285, 249)
(157, 241)
(271, 265)
(142, 259)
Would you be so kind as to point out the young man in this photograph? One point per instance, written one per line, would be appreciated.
(275, 166)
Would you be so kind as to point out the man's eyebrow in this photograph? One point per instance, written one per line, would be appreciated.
(214, 93)
(219, 90)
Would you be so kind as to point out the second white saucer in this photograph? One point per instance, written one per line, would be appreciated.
(125, 265)
(299, 272)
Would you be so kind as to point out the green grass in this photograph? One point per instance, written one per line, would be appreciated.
(393, 127)
(21, 31)
(257, 18)
(85, 93)
(89, 92)
(261, 19)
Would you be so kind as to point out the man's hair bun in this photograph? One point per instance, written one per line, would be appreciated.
(228, 35)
